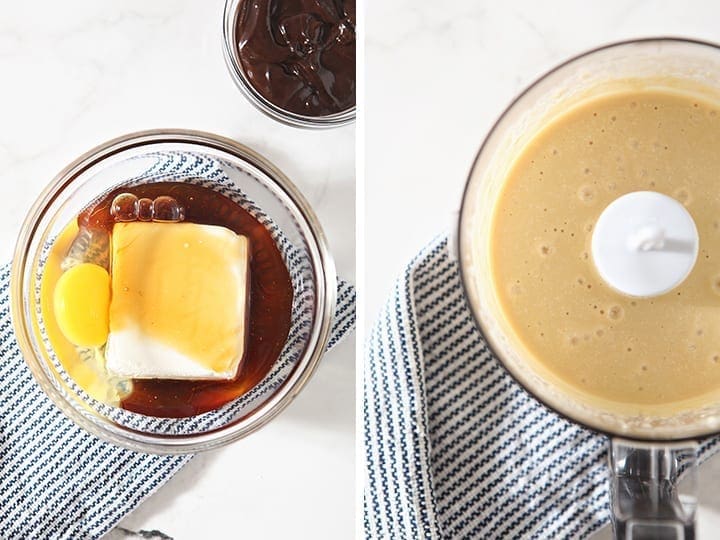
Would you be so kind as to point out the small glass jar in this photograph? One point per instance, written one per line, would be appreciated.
(237, 72)
(227, 167)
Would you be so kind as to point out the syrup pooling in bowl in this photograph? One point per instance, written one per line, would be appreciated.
(270, 293)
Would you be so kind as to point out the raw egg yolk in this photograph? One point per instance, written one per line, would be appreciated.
(81, 303)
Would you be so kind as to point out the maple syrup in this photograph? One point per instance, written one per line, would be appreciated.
(271, 296)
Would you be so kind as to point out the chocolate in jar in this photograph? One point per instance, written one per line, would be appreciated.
(299, 54)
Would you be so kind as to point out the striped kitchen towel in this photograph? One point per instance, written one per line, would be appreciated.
(454, 447)
(58, 481)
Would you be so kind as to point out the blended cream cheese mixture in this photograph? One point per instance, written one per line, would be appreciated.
(650, 351)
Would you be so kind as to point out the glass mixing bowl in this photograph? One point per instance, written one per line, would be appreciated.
(639, 465)
(239, 173)
(237, 72)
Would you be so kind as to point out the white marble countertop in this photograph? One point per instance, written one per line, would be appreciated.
(439, 74)
(77, 73)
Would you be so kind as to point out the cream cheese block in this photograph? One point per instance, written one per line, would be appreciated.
(180, 301)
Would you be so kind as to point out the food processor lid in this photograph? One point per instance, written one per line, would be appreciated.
(644, 244)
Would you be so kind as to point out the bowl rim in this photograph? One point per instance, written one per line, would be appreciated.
(323, 270)
(261, 103)
(460, 226)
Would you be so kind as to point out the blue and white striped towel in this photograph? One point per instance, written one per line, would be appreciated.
(59, 482)
(454, 447)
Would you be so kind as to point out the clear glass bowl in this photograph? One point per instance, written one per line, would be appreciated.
(278, 113)
(237, 172)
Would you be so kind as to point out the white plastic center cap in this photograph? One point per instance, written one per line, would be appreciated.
(644, 244)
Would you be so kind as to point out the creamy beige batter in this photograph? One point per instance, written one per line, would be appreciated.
(644, 351)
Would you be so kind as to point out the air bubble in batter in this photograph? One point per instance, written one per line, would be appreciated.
(586, 194)
(682, 195)
(615, 313)
(545, 249)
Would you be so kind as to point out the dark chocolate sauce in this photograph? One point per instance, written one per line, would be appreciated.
(299, 54)
(271, 296)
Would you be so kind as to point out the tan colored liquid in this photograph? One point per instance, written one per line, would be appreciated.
(644, 351)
